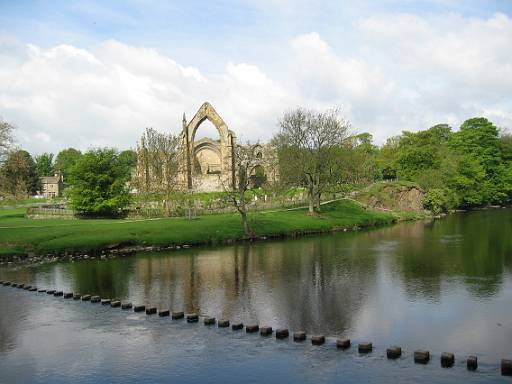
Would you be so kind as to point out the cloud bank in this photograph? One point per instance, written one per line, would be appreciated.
(404, 72)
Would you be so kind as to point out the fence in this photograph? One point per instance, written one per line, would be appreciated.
(50, 213)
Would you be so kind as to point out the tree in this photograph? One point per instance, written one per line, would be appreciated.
(506, 145)
(358, 160)
(128, 157)
(308, 145)
(19, 177)
(157, 164)
(44, 164)
(65, 160)
(245, 161)
(478, 140)
(386, 158)
(6, 138)
(99, 183)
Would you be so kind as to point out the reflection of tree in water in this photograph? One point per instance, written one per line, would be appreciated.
(9, 322)
(474, 247)
(314, 283)
(108, 278)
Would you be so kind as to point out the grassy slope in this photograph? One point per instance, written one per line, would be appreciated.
(20, 235)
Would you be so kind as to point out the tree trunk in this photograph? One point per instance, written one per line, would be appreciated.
(311, 198)
(242, 209)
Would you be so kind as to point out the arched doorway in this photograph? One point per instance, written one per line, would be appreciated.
(209, 161)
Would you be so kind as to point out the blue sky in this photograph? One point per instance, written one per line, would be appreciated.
(391, 65)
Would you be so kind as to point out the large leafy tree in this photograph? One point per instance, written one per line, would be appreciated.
(18, 175)
(65, 160)
(478, 140)
(99, 183)
(44, 164)
(308, 144)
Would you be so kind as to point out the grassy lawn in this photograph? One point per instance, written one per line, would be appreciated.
(21, 235)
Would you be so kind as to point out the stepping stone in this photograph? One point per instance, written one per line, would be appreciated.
(126, 305)
(77, 296)
(115, 304)
(394, 352)
(252, 328)
(365, 347)
(177, 315)
(447, 359)
(299, 336)
(282, 333)
(266, 331)
(209, 321)
(506, 367)
(95, 299)
(164, 313)
(237, 326)
(68, 295)
(343, 343)
(223, 323)
(151, 311)
(105, 301)
(421, 357)
(472, 363)
(58, 293)
(318, 340)
(192, 318)
(139, 308)
(86, 297)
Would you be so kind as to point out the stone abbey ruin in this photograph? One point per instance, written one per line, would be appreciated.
(208, 165)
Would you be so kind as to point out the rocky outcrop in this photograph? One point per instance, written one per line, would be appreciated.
(393, 197)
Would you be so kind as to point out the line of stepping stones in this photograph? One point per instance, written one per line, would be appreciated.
(393, 352)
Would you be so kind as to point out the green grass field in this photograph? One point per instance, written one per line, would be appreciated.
(21, 235)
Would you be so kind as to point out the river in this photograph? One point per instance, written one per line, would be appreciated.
(443, 285)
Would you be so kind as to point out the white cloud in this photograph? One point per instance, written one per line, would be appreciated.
(404, 72)
(108, 96)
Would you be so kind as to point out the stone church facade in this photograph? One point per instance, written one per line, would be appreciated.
(208, 165)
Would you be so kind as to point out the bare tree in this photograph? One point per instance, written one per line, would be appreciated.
(157, 166)
(308, 144)
(6, 130)
(245, 160)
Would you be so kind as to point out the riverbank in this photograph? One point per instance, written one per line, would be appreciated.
(22, 239)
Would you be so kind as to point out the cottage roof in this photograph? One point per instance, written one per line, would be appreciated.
(50, 179)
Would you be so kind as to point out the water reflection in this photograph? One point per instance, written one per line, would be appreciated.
(420, 283)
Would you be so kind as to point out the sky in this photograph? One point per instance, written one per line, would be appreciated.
(86, 74)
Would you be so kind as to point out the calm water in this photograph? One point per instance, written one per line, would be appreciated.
(442, 286)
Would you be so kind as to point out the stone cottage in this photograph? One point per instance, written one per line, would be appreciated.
(52, 186)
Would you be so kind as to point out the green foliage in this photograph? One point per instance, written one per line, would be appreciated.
(99, 183)
(44, 164)
(65, 160)
(18, 175)
(471, 167)
(506, 146)
(128, 157)
(439, 200)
